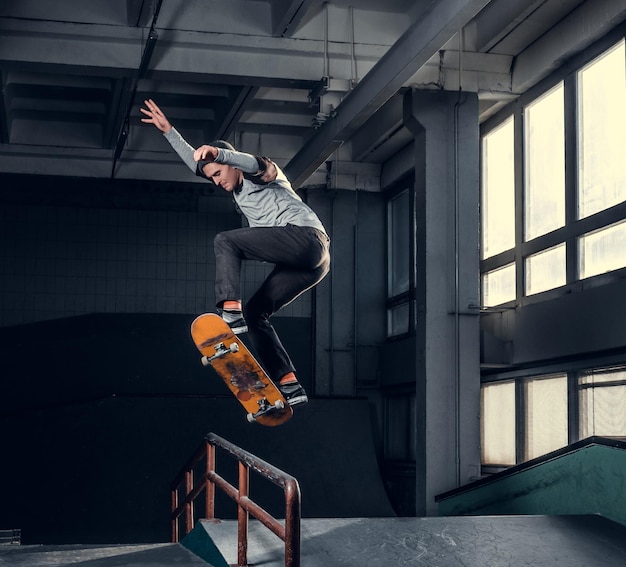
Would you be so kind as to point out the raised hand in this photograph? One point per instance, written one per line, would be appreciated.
(155, 116)
(205, 152)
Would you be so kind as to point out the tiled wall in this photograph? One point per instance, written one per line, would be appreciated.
(60, 261)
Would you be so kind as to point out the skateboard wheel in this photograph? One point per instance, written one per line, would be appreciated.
(234, 347)
(279, 404)
(205, 361)
(251, 418)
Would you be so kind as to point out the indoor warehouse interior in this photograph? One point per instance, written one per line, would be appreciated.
(464, 355)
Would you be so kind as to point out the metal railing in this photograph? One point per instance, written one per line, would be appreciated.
(289, 532)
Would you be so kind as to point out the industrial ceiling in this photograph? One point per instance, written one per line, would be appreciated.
(298, 80)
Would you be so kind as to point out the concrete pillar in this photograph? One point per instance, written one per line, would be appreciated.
(445, 126)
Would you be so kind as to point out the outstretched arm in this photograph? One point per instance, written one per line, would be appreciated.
(155, 116)
(181, 147)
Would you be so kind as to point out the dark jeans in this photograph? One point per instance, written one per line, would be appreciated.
(302, 259)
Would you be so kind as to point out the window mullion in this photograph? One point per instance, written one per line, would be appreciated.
(520, 422)
(518, 145)
(571, 178)
(573, 408)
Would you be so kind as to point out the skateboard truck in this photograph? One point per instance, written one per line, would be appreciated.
(265, 407)
(220, 350)
(246, 379)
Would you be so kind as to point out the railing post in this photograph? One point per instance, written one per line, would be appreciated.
(174, 504)
(210, 487)
(242, 517)
(292, 524)
(289, 533)
(188, 502)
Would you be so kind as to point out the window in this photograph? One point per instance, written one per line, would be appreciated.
(534, 410)
(524, 418)
(498, 190)
(545, 270)
(398, 320)
(603, 403)
(564, 221)
(544, 145)
(497, 426)
(602, 251)
(400, 260)
(498, 286)
(602, 132)
(545, 415)
(400, 441)
(399, 244)
(566, 139)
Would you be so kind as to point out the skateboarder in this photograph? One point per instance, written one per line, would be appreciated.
(281, 230)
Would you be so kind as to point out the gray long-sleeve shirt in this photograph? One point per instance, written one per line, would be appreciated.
(272, 203)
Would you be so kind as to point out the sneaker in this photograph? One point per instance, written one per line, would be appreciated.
(294, 393)
(235, 321)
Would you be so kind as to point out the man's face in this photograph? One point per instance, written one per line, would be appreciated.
(224, 176)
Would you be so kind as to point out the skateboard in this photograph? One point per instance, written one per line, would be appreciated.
(240, 371)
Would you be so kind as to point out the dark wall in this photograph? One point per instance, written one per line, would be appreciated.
(99, 413)
(584, 321)
(75, 246)
(99, 356)
(102, 388)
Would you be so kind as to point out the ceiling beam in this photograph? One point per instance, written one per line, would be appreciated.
(97, 50)
(235, 109)
(488, 31)
(438, 24)
(571, 35)
(137, 14)
(287, 15)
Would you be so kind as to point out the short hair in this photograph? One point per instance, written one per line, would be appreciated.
(223, 144)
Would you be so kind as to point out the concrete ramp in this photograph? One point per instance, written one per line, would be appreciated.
(153, 555)
(514, 541)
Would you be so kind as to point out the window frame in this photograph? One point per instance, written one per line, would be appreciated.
(574, 227)
(406, 183)
(575, 373)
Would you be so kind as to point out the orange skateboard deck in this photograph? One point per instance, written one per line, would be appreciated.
(239, 370)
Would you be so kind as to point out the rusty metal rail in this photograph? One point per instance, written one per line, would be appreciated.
(289, 532)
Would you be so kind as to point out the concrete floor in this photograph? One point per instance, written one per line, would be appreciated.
(486, 541)
(493, 541)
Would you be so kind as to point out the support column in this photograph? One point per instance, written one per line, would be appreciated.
(446, 130)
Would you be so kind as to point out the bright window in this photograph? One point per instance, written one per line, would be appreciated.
(544, 151)
(545, 270)
(602, 251)
(558, 213)
(498, 286)
(603, 404)
(602, 132)
(497, 426)
(567, 147)
(546, 415)
(498, 190)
